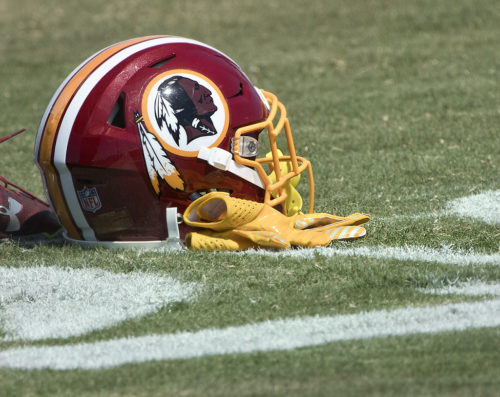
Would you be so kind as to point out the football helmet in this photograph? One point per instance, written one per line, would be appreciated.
(144, 127)
(23, 216)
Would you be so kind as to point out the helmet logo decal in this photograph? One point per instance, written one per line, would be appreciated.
(158, 164)
(186, 111)
(89, 199)
(183, 103)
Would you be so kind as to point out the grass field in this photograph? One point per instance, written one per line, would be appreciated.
(396, 104)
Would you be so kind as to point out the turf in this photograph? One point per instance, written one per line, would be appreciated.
(396, 105)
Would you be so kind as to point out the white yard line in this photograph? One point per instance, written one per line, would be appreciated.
(444, 255)
(266, 336)
(484, 206)
(51, 302)
(472, 288)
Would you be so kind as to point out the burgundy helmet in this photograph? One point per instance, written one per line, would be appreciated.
(143, 127)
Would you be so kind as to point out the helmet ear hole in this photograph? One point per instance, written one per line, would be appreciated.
(239, 93)
(117, 115)
(159, 64)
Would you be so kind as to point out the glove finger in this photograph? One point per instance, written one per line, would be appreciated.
(320, 221)
(264, 238)
(353, 221)
(345, 232)
(210, 241)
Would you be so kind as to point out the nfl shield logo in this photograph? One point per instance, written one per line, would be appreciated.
(89, 199)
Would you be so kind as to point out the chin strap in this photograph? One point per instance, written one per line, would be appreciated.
(223, 160)
(235, 224)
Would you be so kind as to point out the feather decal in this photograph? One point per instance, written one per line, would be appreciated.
(158, 164)
(165, 117)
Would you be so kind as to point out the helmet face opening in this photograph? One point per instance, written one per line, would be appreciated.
(282, 168)
(149, 124)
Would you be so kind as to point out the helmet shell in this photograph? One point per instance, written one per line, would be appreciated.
(118, 143)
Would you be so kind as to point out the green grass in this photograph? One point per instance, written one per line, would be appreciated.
(394, 102)
(414, 366)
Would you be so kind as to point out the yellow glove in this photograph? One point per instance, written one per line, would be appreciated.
(236, 224)
(208, 240)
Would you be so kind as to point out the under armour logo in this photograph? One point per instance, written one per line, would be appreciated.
(14, 208)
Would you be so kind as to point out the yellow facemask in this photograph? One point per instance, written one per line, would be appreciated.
(280, 185)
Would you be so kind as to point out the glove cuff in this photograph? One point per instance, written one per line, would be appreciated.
(218, 211)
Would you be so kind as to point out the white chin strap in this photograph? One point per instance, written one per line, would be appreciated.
(223, 160)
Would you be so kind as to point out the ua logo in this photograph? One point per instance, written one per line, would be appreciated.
(15, 208)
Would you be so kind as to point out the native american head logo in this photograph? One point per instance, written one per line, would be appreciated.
(182, 111)
(186, 111)
(184, 106)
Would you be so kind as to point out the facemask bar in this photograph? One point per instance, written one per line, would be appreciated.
(298, 164)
